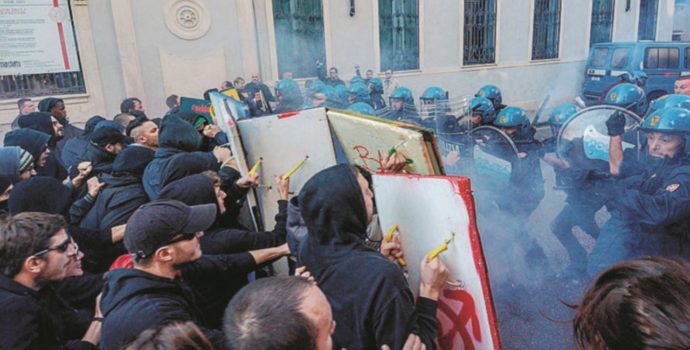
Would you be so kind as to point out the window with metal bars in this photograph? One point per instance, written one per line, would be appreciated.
(299, 36)
(601, 30)
(480, 32)
(646, 29)
(546, 29)
(399, 34)
(44, 84)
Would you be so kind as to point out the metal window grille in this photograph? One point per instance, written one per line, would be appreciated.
(47, 84)
(647, 24)
(546, 29)
(399, 34)
(602, 21)
(480, 32)
(299, 36)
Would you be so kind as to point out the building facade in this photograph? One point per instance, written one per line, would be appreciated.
(529, 48)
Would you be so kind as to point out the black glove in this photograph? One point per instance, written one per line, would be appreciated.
(616, 124)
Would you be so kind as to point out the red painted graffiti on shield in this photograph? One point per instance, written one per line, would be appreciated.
(373, 163)
(457, 315)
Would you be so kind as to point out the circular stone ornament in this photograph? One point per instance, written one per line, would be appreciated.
(187, 19)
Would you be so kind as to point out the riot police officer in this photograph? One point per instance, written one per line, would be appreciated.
(493, 93)
(482, 112)
(649, 210)
(401, 105)
(358, 92)
(289, 96)
(525, 188)
(433, 104)
(632, 98)
(362, 108)
(376, 93)
(581, 202)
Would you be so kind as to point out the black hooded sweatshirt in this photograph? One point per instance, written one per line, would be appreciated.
(48, 195)
(32, 141)
(135, 300)
(41, 121)
(235, 243)
(70, 131)
(74, 147)
(371, 299)
(175, 136)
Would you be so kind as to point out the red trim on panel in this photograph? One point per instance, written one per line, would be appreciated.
(287, 115)
(61, 35)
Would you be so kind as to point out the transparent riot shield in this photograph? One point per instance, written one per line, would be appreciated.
(494, 154)
(583, 141)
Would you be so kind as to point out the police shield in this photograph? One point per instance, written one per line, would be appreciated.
(455, 144)
(493, 155)
(583, 140)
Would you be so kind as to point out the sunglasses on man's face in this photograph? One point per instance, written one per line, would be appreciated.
(183, 237)
(62, 248)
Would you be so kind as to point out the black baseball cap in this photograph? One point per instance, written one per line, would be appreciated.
(155, 224)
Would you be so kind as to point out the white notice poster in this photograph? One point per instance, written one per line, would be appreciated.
(36, 36)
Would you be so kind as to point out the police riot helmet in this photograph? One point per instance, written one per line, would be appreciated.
(492, 92)
(404, 94)
(674, 120)
(672, 100)
(362, 108)
(288, 89)
(376, 85)
(483, 107)
(562, 114)
(317, 86)
(628, 96)
(356, 79)
(360, 91)
(342, 93)
(433, 94)
(512, 117)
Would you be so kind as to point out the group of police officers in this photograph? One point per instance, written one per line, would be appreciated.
(643, 177)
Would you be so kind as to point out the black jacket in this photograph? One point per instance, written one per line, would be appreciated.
(371, 300)
(216, 291)
(176, 136)
(134, 301)
(36, 320)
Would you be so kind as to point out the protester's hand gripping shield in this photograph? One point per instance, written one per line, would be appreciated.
(583, 141)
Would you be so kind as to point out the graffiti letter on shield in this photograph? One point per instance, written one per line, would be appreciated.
(364, 156)
(455, 319)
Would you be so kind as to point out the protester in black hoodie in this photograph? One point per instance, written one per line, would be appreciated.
(56, 108)
(123, 192)
(43, 122)
(372, 302)
(35, 142)
(104, 144)
(74, 147)
(251, 249)
(48, 195)
(178, 136)
(162, 236)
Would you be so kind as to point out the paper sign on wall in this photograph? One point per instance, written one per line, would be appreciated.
(427, 209)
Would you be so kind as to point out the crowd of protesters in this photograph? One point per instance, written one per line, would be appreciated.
(126, 234)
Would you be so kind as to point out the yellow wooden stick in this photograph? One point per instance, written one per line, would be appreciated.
(389, 237)
(255, 167)
(389, 234)
(440, 249)
(292, 171)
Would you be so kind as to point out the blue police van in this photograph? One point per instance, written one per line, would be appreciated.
(663, 62)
